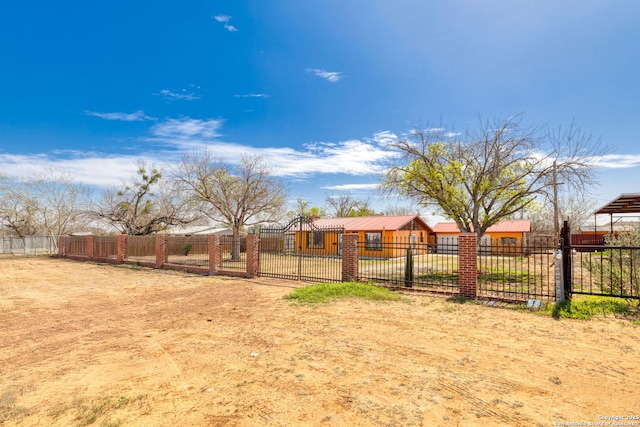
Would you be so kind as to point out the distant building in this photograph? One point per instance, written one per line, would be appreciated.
(503, 237)
(199, 230)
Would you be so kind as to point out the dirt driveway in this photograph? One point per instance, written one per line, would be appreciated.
(87, 344)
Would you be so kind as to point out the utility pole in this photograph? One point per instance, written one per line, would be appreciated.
(556, 226)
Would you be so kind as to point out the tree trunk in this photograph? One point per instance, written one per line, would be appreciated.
(235, 245)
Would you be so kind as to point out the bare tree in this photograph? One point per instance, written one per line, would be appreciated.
(401, 210)
(497, 170)
(48, 203)
(241, 196)
(145, 206)
(18, 212)
(345, 205)
(575, 208)
(574, 154)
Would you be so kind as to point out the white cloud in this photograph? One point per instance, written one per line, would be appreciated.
(184, 96)
(137, 116)
(349, 187)
(83, 168)
(187, 128)
(225, 20)
(351, 157)
(332, 76)
(618, 161)
(385, 137)
(252, 95)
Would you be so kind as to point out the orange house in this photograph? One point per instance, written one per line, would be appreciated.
(503, 237)
(378, 236)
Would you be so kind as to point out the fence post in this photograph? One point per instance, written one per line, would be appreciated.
(61, 247)
(565, 244)
(90, 241)
(121, 248)
(253, 255)
(468, 264)
(349, 257)
(161, 250)
(215, 254)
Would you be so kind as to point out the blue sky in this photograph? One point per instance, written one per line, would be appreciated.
(316, 88)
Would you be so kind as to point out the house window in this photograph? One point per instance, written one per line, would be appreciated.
(373, 241)
(315, 240)
(508, 241)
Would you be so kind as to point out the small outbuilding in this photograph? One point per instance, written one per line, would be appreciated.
(501, 238)
(382, 236)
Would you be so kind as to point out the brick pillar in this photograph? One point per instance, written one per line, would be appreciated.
(468, 264)
(90, 241)
(122, 247)
(253, 255)
(215, 254)
(62, 250)
(161, 250)
(349, 257)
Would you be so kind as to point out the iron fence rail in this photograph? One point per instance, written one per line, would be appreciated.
(301, 266)
(605, 270)
(76, 245)
(188, 250)
(517, 271)
(505, 271)
(301, 251)
(105, 247)
(434, 266)
(228, 261)
(141, 249)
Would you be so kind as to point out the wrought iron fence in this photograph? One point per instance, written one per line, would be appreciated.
(188, 250)
(516, 270)
(402, 262)
(76, 245)
(141, 249)
(229, 262)
(301, 251)
(29, 245)
(105, 247)
(605, 270)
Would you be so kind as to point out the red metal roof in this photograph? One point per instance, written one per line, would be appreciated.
(446, 227)
(509, 226)
(372, 223)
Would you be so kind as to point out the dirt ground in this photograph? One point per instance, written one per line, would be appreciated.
(88, 344)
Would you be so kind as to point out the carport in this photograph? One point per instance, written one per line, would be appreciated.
(628, 203)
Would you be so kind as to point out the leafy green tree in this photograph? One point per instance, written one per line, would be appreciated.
(304, 208)
(495, 171)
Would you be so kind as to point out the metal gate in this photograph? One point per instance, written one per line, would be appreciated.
(611, 270)
(301, 250)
